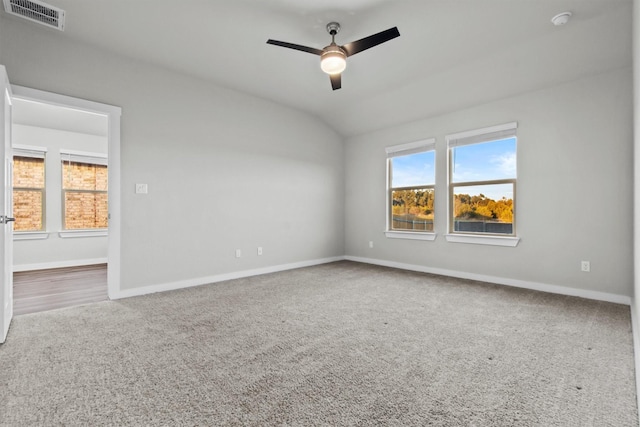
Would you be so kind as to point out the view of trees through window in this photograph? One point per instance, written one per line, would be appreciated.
(479, 213)
(412, 209)
(483, 177)
(412, 191)
(480, 207)
(482, 174)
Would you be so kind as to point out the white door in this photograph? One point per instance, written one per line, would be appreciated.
(6, 209)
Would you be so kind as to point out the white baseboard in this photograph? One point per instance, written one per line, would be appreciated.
(126, 293)
(635, 334)
(543, 287)
(554, 289)
(59, 264)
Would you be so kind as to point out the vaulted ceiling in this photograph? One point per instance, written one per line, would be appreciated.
(451, 53)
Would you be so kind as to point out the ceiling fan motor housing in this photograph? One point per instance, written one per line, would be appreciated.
(333, 59)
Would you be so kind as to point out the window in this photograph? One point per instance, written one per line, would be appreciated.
(411, 189)
(482, 181)
(29, 189)
(84, 192)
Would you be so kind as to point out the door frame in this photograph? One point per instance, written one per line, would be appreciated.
(113, 114)
(6, 242)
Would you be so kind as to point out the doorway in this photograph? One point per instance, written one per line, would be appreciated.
(50, 289)
(97, 247)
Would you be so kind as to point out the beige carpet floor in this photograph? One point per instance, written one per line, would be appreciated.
(342, 344)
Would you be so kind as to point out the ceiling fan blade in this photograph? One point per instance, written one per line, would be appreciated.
(336, 81)
(371, 41)
(295, 46)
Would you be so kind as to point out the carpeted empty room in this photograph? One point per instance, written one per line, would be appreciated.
(336, 344)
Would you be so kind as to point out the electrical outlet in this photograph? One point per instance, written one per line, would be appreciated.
(238, 253)
(259, 250)
(371, 243)
(585, 266)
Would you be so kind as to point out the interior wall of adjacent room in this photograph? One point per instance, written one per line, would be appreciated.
(574, 189)
(54, 250)
(224, 170)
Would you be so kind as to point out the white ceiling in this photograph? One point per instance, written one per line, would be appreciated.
(451, 53)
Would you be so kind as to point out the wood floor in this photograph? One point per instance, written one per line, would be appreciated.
(42, 290)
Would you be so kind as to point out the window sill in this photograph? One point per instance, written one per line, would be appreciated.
(410, 235)
(30, 235)
(72, 234)
(483, 240)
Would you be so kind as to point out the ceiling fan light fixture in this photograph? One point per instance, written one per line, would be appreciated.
(333, 60)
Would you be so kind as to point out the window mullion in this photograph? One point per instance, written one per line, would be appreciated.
(417, 187)
(489, 182)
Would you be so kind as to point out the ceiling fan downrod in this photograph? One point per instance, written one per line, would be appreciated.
(333, 28)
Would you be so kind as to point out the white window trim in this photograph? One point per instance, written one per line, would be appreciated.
(403, 150)
(83, 157)
(411, 235)
(490, 240)
(29, 151)
(30, 235)
(411, 147)
(34, 152)
(72, 234)
(480, 135)
(89, 158)
(469, 137)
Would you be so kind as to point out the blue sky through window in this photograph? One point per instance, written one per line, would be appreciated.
(485, 161)
(470, 163)
(414, 169)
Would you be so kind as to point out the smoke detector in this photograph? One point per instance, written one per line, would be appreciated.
(561, 18)
(36, 11)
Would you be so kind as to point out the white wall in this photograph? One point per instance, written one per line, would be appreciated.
(574, 190)
(225, 170)
(55, 251)
(635, 308)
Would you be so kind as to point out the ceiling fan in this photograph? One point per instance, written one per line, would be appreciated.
(333, 58)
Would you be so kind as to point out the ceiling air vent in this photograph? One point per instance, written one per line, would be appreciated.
(36, 11)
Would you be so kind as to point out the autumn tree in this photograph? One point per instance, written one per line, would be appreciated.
(413, 202)
(481, 208)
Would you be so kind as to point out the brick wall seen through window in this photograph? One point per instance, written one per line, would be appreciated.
(85, 197)
(28, 193)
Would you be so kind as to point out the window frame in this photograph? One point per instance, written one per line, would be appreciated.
(32, 152)
(416, 147)
(478, 136)
(72, 156)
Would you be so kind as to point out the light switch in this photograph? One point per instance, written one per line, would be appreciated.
(142, 189)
